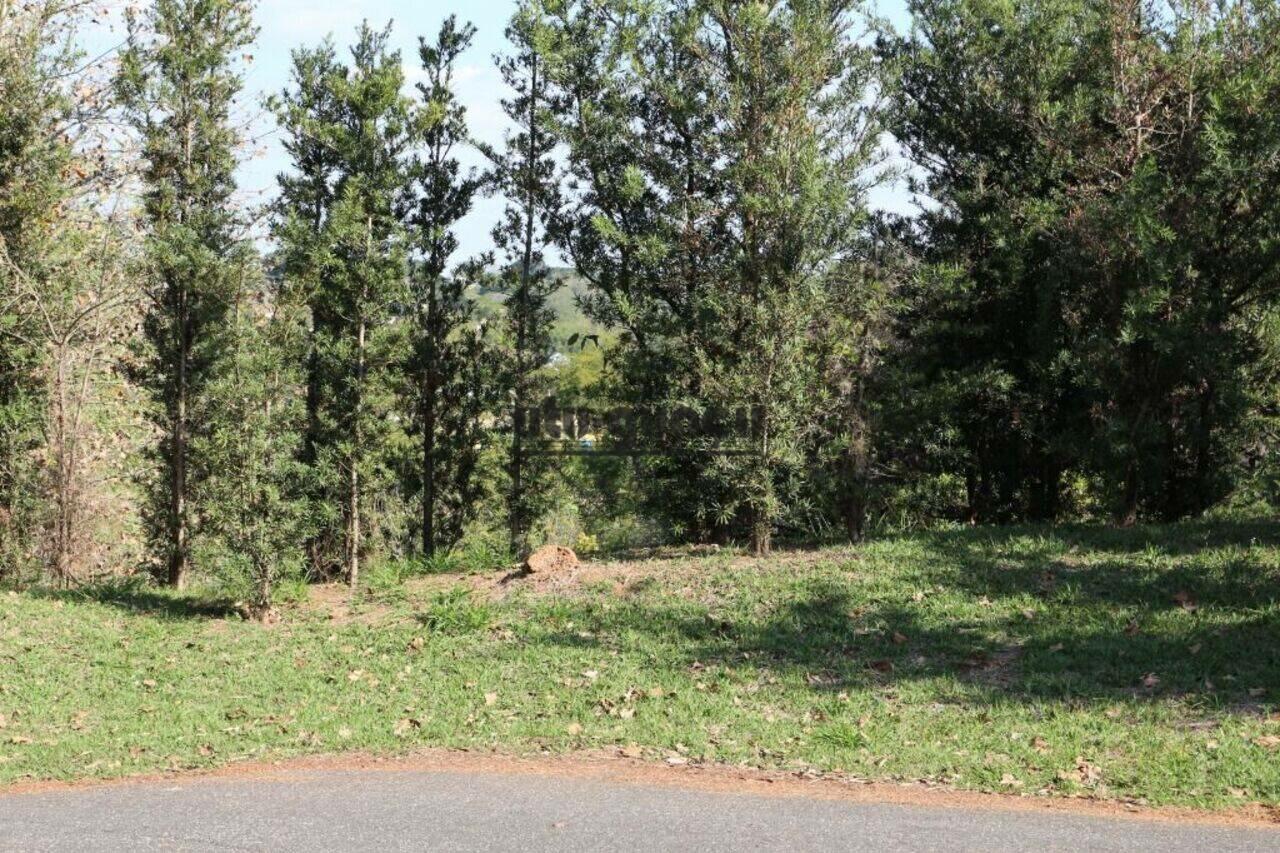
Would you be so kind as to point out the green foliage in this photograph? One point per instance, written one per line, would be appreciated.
(35, 159)
(722, 154)
(1101, 248)
(177, 83)
(453, 367)
(525, 172)
(255, 520)
(344, 255)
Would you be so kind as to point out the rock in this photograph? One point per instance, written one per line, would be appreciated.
(550, 558)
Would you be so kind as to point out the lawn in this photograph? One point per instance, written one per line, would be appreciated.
(1141, 665)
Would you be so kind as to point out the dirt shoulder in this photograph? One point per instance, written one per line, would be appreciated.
(615, 770)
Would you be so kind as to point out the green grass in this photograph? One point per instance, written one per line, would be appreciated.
(1142, 665)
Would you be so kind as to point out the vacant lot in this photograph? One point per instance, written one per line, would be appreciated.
(1140, 665)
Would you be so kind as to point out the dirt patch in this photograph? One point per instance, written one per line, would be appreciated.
(336, 603)
(614, 768)
(681, 570)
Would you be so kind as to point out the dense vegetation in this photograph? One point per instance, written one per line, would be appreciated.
(1081, 323)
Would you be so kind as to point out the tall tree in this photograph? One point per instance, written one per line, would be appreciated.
(445, 341)
(1099, 251)
(723, 150)
(349, 131)
(178, 83)
(525, 172)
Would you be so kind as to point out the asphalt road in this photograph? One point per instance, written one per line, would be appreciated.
(386, 811)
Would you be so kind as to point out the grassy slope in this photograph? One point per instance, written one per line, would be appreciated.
(1143, 665)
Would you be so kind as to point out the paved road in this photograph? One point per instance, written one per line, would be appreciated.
(385, 811)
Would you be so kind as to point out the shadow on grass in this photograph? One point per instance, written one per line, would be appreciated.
(1009, 616)
(143, 600)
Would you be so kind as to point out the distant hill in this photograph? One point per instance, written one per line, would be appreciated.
(569, 317)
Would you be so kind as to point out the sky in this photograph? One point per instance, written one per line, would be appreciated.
(287, 24)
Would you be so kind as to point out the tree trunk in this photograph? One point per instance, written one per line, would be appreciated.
(1127, 516)
(761, 534)
(179, 533)
(519, 524)
(353, 494)
(429, 479)
(430, 387)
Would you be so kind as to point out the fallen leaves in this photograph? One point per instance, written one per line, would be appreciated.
(1186, 601)
(490, 699)
(883, 667)
(631, 750)
(899, 639)
(1083, 773)
(1267, 742)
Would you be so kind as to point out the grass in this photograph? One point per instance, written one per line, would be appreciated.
(1142, 665)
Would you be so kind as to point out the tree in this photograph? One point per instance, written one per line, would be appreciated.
(63, 288)
(35, 158)
(1095, 234)
(178, 82)
(254, 516)
(524, 171)
(723, 151)
(447, 343)
(349, 131)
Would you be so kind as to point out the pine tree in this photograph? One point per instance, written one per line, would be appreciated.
(524, 171)
(254, 519)
(178, 83)
(723, 151)
(447, 341)
(349, 131)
